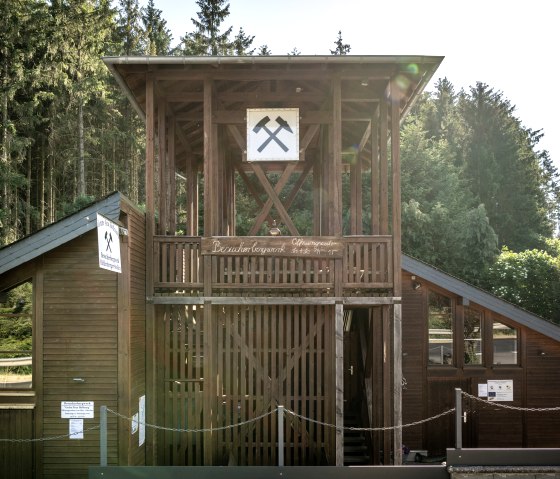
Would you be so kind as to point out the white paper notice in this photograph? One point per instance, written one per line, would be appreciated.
(483, 390)
(142, 420)
(134, 429)
(76, 428)
(500, 390)
(76, 409)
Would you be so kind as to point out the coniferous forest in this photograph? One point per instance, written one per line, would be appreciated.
(480, 199)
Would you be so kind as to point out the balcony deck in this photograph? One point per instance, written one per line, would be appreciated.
(195, 266)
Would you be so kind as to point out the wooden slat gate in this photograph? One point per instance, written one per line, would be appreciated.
(261, 356)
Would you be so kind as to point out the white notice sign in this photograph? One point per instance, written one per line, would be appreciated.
(76, 409)
(142, 420)
(76, 429)
(108, 244)
(500, 390)
(134, 428)
(273, 134)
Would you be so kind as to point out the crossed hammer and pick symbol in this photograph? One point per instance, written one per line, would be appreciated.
(272, 135)
(108, 238)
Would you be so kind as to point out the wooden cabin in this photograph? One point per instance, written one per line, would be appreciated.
(88, 344)
(211, 327)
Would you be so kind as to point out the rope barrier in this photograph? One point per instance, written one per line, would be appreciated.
(506, 406)
(293, 413)
(50, 438)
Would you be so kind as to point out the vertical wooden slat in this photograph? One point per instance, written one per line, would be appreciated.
(387, 385)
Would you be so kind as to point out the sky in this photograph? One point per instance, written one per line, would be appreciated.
(507, 44)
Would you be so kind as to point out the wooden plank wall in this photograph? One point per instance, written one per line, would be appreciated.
(136, 328)
(264, 356)
(430, 390)
(543, 381)
(16, 459)
(80, 341)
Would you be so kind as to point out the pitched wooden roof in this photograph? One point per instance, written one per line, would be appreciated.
(480, 297)
(58, 233)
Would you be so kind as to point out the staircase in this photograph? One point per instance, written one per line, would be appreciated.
(355, 445)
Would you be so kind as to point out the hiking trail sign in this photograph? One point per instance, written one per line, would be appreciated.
(273, 134)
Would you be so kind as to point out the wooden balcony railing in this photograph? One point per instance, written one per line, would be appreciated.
(181, 263)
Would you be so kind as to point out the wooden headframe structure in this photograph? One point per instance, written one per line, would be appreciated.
(240, 324)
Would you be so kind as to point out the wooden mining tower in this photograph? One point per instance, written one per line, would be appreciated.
(303, 314)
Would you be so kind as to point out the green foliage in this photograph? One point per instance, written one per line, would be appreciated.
(208, 39)
(441, 222)
(16, 331)
(158, 36)
(530, 279)
(341, 48)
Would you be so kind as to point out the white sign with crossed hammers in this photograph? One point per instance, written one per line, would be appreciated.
(108, 244)
(272, 134)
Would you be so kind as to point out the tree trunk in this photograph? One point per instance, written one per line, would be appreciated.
(81, 162)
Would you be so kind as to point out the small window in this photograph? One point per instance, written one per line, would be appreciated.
(505, 343)
(472, 334)
(16, 338)
(440, 329)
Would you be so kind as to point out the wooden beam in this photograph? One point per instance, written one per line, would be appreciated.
(383, 170)
(151, 389)
(396, 187)
(276, 300)
(162, 167)
(375, 173)
(210, 216)
(387, 385)
(268, 204)
(171, 195)
(339, 382)
(275, 199)
(397, 383)
(335, 190)
(299, 74)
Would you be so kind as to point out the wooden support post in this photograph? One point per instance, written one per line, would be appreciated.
(375, 173)
(335, 190)
(163, 168)
(397, 288)
(397, 383)
(210, 173)
(151, 405)
(171, 193)
(192, 197)
(387, 386)
(383, 169)
(339, 382)
(209, 383)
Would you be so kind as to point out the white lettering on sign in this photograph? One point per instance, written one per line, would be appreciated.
(76, 410)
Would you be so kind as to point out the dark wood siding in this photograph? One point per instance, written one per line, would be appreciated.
(543, 390)
(413, 362)
(536, 383)
(16, 458)
(137, 329)
(79, 341)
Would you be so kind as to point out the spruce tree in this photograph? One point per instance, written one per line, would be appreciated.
(341, 47)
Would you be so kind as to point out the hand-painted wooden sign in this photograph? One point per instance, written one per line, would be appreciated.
(289, 246)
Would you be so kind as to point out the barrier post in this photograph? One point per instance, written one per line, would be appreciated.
(280, 435)
(103, 436)
(458, 419)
